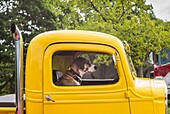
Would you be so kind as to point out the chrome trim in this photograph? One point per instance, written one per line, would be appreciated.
(17, 74)
(18, 59)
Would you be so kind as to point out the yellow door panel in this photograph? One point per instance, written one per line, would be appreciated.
(91, 99)
(7, 110)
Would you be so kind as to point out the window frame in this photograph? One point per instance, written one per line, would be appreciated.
(90, 81)
(85, 47)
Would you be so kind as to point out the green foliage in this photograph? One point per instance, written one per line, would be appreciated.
(132, 21)
(7, 79)
(103, 59)
(32, 17)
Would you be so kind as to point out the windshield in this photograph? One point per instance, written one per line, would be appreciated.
(127, 50)
(133, 71)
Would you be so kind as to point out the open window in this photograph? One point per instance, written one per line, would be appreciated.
(106, 72)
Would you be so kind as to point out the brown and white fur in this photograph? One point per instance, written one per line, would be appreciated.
(77, 69)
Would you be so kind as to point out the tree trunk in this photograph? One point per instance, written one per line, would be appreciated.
(139, 71)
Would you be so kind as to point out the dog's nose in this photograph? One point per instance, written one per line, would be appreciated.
(95, 67)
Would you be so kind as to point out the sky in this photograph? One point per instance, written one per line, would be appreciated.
(161, 8)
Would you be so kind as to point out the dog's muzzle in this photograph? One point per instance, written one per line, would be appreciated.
(92, 68)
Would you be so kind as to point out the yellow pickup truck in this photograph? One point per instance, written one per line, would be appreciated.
(113, 88)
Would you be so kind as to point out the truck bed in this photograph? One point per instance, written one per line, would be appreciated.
(7, 100)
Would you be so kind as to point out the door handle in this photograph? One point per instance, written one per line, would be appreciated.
(49, 98)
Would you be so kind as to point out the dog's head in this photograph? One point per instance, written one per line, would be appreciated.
(83, 66)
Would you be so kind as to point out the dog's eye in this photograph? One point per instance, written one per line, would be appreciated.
(86, 69)
(89, 64)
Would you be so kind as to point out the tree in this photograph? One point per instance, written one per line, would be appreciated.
(32, 17)
(132, 21)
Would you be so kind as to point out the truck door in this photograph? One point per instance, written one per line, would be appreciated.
(100, 92)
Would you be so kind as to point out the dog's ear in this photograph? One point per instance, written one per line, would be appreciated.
(74, 67)
(80, 62)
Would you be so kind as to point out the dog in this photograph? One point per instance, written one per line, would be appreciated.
(73, 76)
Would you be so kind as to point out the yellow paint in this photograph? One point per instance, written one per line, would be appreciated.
(130, 95)
(7, 110)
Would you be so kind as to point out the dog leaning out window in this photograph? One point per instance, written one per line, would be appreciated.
(88, 68)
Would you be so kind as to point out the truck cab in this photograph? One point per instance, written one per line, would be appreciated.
(113, 88)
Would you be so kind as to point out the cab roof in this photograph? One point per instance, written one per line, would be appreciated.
(48, 38)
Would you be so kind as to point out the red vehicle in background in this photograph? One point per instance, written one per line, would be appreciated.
(163, 72)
